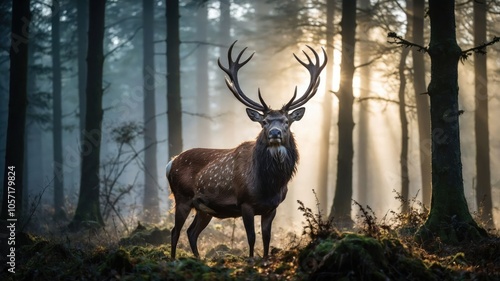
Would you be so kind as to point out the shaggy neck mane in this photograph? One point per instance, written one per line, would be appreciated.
(274, 166)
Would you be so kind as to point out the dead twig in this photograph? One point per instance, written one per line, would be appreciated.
(398, 40)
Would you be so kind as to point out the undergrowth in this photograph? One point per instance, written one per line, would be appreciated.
(374, 250)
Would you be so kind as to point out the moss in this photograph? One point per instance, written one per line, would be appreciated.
(118, 261)
(360, 257)
(347, 256)
(144, 236)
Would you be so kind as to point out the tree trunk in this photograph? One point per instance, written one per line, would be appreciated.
(150, 204)
(174, 109)
(226, 105)
(422, 102)
(483, 189)
(449, 217)
(88, 211)
(202, 86)
(32, 155)
(341, 208)
(59, 212)
(403, 158)
(405, 179)
(82, 29)
(16, 123)
(324, 147)
(362, 152)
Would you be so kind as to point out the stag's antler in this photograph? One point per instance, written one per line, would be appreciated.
(314, 70)
(233, 84)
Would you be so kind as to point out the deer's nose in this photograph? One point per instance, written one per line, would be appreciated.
(274, 133)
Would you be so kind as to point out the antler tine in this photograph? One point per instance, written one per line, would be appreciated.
(314, 71)
(232, 81)
(266, 108)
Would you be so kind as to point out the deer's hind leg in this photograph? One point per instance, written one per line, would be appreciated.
(181, 213)
(200, 221)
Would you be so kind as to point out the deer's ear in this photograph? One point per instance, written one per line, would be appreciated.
(297, 114)
(254, 115)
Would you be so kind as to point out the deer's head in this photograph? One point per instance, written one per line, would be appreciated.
(275, 123)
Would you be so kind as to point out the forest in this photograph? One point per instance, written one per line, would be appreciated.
(388, 172)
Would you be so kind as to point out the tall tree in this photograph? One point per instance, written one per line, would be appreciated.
(82, 28)
(59, 212)
(341, 208)
(226, 105)
(174, 107)
(16, 123)
(364, 91)
(403, 159)
(449, 217)
(326, 125)
(88, 208)
(202, 86)
(32, 129)
(483, 189)
(422, 101)
(150, 204)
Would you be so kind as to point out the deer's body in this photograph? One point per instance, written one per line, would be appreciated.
(245, 181)
(247, 174)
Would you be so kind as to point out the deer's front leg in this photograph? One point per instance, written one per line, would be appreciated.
(266, 224)
(248, 220)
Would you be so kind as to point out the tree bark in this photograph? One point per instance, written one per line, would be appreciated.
(422, 101)
(88, 211)
(226, 104)
(326, 123)
(483, 189)
(405, 179)
(449, 217)
(16, 123)
(341, 208)
(59, 212)
(82, 28)
(150, 204)
(362, 152)
(174, 107)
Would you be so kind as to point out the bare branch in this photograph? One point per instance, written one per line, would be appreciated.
(385, 100)
(398, 40)
(481, 49)
(124, 42)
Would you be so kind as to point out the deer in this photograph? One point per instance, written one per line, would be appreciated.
(248, 180)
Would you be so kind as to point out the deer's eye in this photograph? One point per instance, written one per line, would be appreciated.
(264, 123)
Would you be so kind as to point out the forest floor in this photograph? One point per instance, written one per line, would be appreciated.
(373, 250)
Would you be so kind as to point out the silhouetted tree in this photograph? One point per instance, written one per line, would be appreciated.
(362, 150)
(483, 188)
(449, 217)
(18, 81)
(59, 212)
(341, 208)
(403, 158)
(82, 28)
(88, 209)
(416, 12)
(202, 85)
(174, 109)
(151, 205)
(225, 105)
(326, 125)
